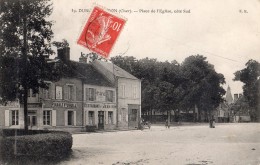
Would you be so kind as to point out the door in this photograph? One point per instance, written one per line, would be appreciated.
(100, 119)
(32, 120)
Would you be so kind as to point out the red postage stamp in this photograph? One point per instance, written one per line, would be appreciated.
(101, 31)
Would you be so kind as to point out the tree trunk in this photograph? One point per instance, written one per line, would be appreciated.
(199, 114)
(24, 76)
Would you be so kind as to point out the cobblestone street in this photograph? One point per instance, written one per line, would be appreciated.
(200, 145)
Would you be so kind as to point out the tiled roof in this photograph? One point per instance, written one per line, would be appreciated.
(114, 69)
(86, 72)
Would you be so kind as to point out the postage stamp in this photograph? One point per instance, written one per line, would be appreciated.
(101, 31)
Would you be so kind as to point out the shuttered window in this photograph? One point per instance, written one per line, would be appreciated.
(92, 94)
(109, 95)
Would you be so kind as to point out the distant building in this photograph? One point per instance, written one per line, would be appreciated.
(240, 110)
(229, 97)
(223, 112)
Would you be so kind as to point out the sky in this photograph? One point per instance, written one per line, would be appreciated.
(227, 32)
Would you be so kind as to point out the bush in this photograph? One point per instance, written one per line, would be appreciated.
(37, 143)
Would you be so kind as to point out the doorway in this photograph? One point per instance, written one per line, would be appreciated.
(32, 118)
(100, 119)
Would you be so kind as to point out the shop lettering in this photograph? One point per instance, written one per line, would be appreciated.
(100, 105)
(64, 105)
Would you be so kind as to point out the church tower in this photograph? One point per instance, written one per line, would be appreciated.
(229, 97)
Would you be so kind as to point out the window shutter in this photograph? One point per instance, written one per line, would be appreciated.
(106, 117)
(87, 94)
(52, 90)
(66, 118)
(126, 117)
(114, 96)
(114, 117)
(7, 118)
(66, 88)
(41, 95)
(53, 116)
(95, 95)
(75, 118)
(74, 96)
(86, 117)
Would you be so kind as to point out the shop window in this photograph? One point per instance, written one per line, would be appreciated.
(70, 118)
(47, 117)
(110, 117)
(109, 95)
(58, 92)
(91, 117)
(15, 117)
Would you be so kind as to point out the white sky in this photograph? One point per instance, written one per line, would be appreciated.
(215, 29)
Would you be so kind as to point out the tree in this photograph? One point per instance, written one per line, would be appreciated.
(250, 76)
(202, 85)
(25, 44)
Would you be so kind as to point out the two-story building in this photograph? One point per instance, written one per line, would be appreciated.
(128, 92)
(84, 95)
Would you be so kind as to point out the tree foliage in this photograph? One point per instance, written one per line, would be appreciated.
(250, 76)
(25, 44)
(172, 86)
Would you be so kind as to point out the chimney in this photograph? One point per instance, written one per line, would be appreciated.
(235, 97)
(64, 54)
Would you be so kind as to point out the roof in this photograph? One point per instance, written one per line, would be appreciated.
(115, 70)
(84, 71)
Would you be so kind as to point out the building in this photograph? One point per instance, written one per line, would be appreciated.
(222, 112)
(240, 110)
(229, 98)
(83, 96)
(128, 92)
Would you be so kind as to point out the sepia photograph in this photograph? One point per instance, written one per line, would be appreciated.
(110, 82)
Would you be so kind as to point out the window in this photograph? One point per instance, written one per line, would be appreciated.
(33, 94)
(15, 117)
(70, 117)
(70, 92)
(109, 95)
(91, 117)
(110, 117)
(92, 94)
(46, 117)
(58, 92)
(30, 93)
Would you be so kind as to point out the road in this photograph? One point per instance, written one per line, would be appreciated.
(227, 144)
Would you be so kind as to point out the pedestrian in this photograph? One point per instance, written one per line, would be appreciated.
(210, 123)
(167, 125)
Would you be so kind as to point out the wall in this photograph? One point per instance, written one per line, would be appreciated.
(129, 93)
